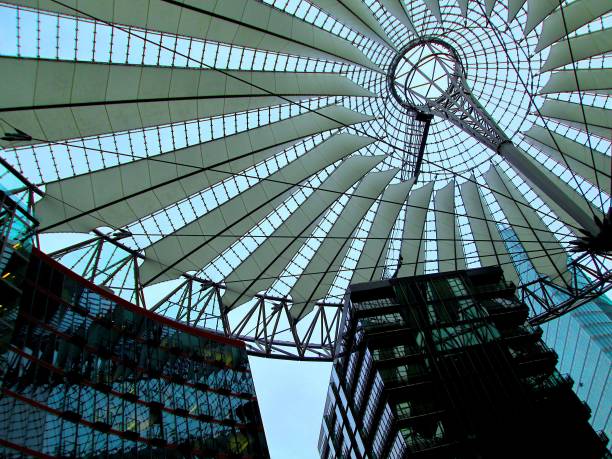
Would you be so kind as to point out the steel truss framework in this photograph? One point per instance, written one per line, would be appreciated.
(266, 325)
(456, 102)
(549, 300)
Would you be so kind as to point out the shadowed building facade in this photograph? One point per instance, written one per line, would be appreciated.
(445, 366)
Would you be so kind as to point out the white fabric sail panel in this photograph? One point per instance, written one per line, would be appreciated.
(58, 100)
(278, 25)
(396, 8)
(575, 15)
(487, 238)
(598, 120)
(463, 6)
(434, 7)
(247, 23)
(65, 123)
(261, 268)
(413, 247)
(593, 166)
(537, 11)
(370, 266)
(541, 246)
(49, 83)
(134, 190)
(489, 5)
(451, 256)
(565, 202)
(582, 47)
(318, 275)
(178, 252)
(595, 81)
(357, 16)
(514, 6)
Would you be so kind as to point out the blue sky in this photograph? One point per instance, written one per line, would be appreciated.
(291, 399)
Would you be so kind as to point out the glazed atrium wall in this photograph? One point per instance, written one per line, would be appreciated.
(86, 374)
(445, 366)
(582, 338)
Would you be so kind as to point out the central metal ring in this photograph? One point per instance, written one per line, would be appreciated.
(423, 72)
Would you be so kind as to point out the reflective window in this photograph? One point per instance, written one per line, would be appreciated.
(384, 320)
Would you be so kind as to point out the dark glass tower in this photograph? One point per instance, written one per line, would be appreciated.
(87, 374)
(445, 366)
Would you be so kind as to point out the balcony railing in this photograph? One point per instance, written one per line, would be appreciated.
(524, 331)
(417, 443)
(419, 416)
(500, 286)
(393, 353)
(538, 351)
(553, 381)
(382, 303)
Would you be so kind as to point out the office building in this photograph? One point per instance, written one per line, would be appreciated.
(87, 374)
(445, 366)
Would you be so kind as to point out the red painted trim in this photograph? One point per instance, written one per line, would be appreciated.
(23, 449)
(93, 318)
(113, 357)
(132, 307)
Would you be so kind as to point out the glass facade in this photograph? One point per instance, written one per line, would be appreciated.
(87, 374)
(445, 366)
(16, 236)
(582, 338)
